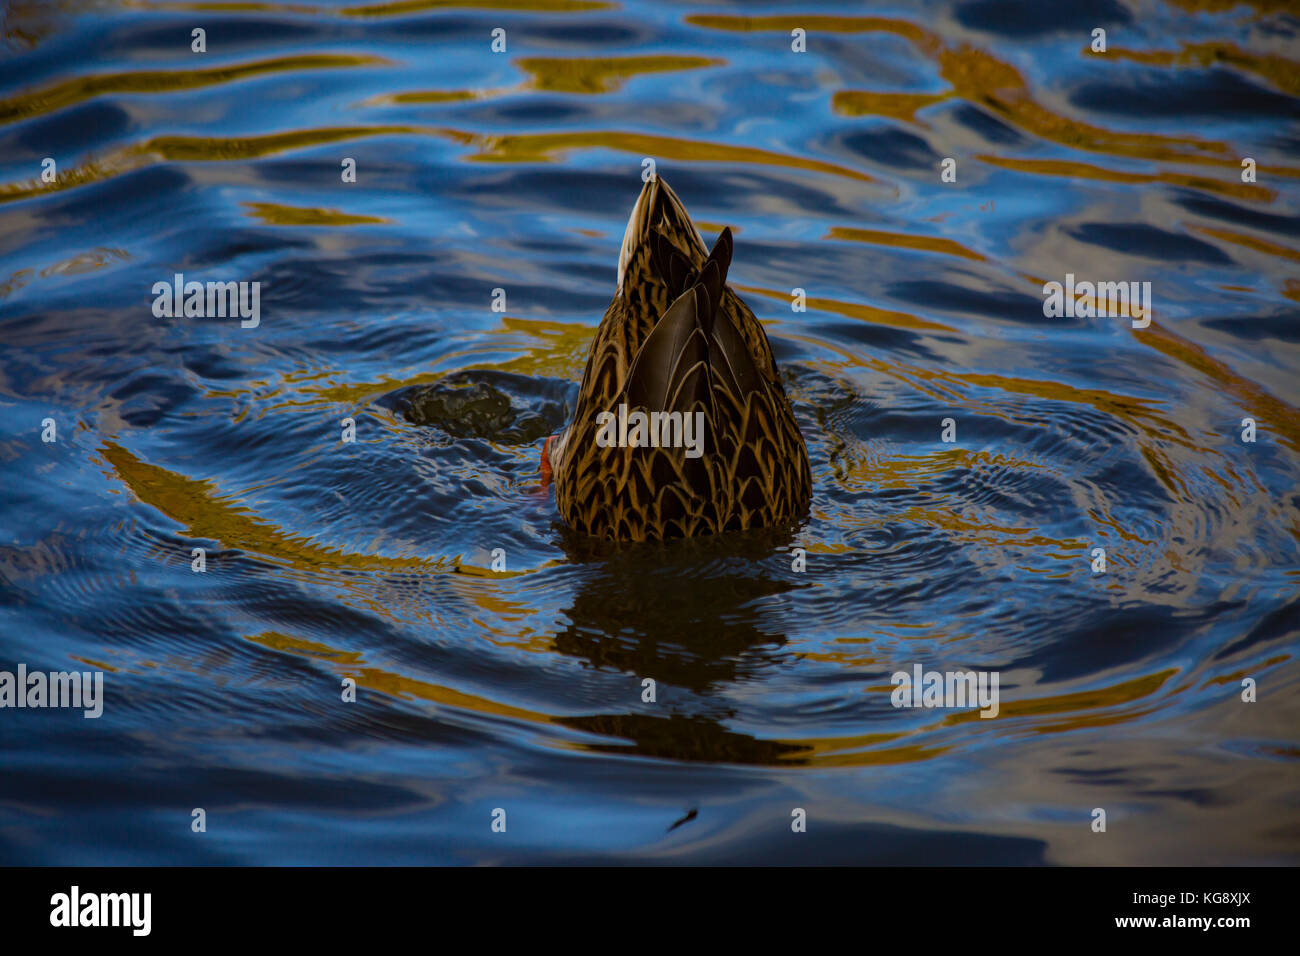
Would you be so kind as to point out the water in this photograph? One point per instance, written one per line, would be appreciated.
(522, 690)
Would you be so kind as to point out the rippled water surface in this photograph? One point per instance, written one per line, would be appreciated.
(522, 689)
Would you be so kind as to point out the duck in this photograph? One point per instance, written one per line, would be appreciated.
(681, 426)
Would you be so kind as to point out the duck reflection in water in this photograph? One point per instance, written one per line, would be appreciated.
(630, 614)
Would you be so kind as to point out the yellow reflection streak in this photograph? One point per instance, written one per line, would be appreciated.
(195, 504)
(1075, 170)
(1277, 70)
(1249, 242)
(547, 147)
(78, 89)
(603, 74)
(900, 106)
(349, 664)
(192, 149)
(904, 240)
(398, 8)
(276, 214)
(855, 310)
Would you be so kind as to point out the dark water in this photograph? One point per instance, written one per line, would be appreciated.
(522, 689)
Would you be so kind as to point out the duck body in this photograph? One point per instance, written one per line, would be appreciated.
(682, 426)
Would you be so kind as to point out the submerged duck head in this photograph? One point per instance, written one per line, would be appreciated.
(682, 426)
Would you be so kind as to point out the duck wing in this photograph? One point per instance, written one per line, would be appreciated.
(670, 378)
(671, 370)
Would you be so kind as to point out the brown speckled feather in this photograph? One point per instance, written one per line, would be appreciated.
(676, 339)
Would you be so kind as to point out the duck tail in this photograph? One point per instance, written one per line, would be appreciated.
(658, 211)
